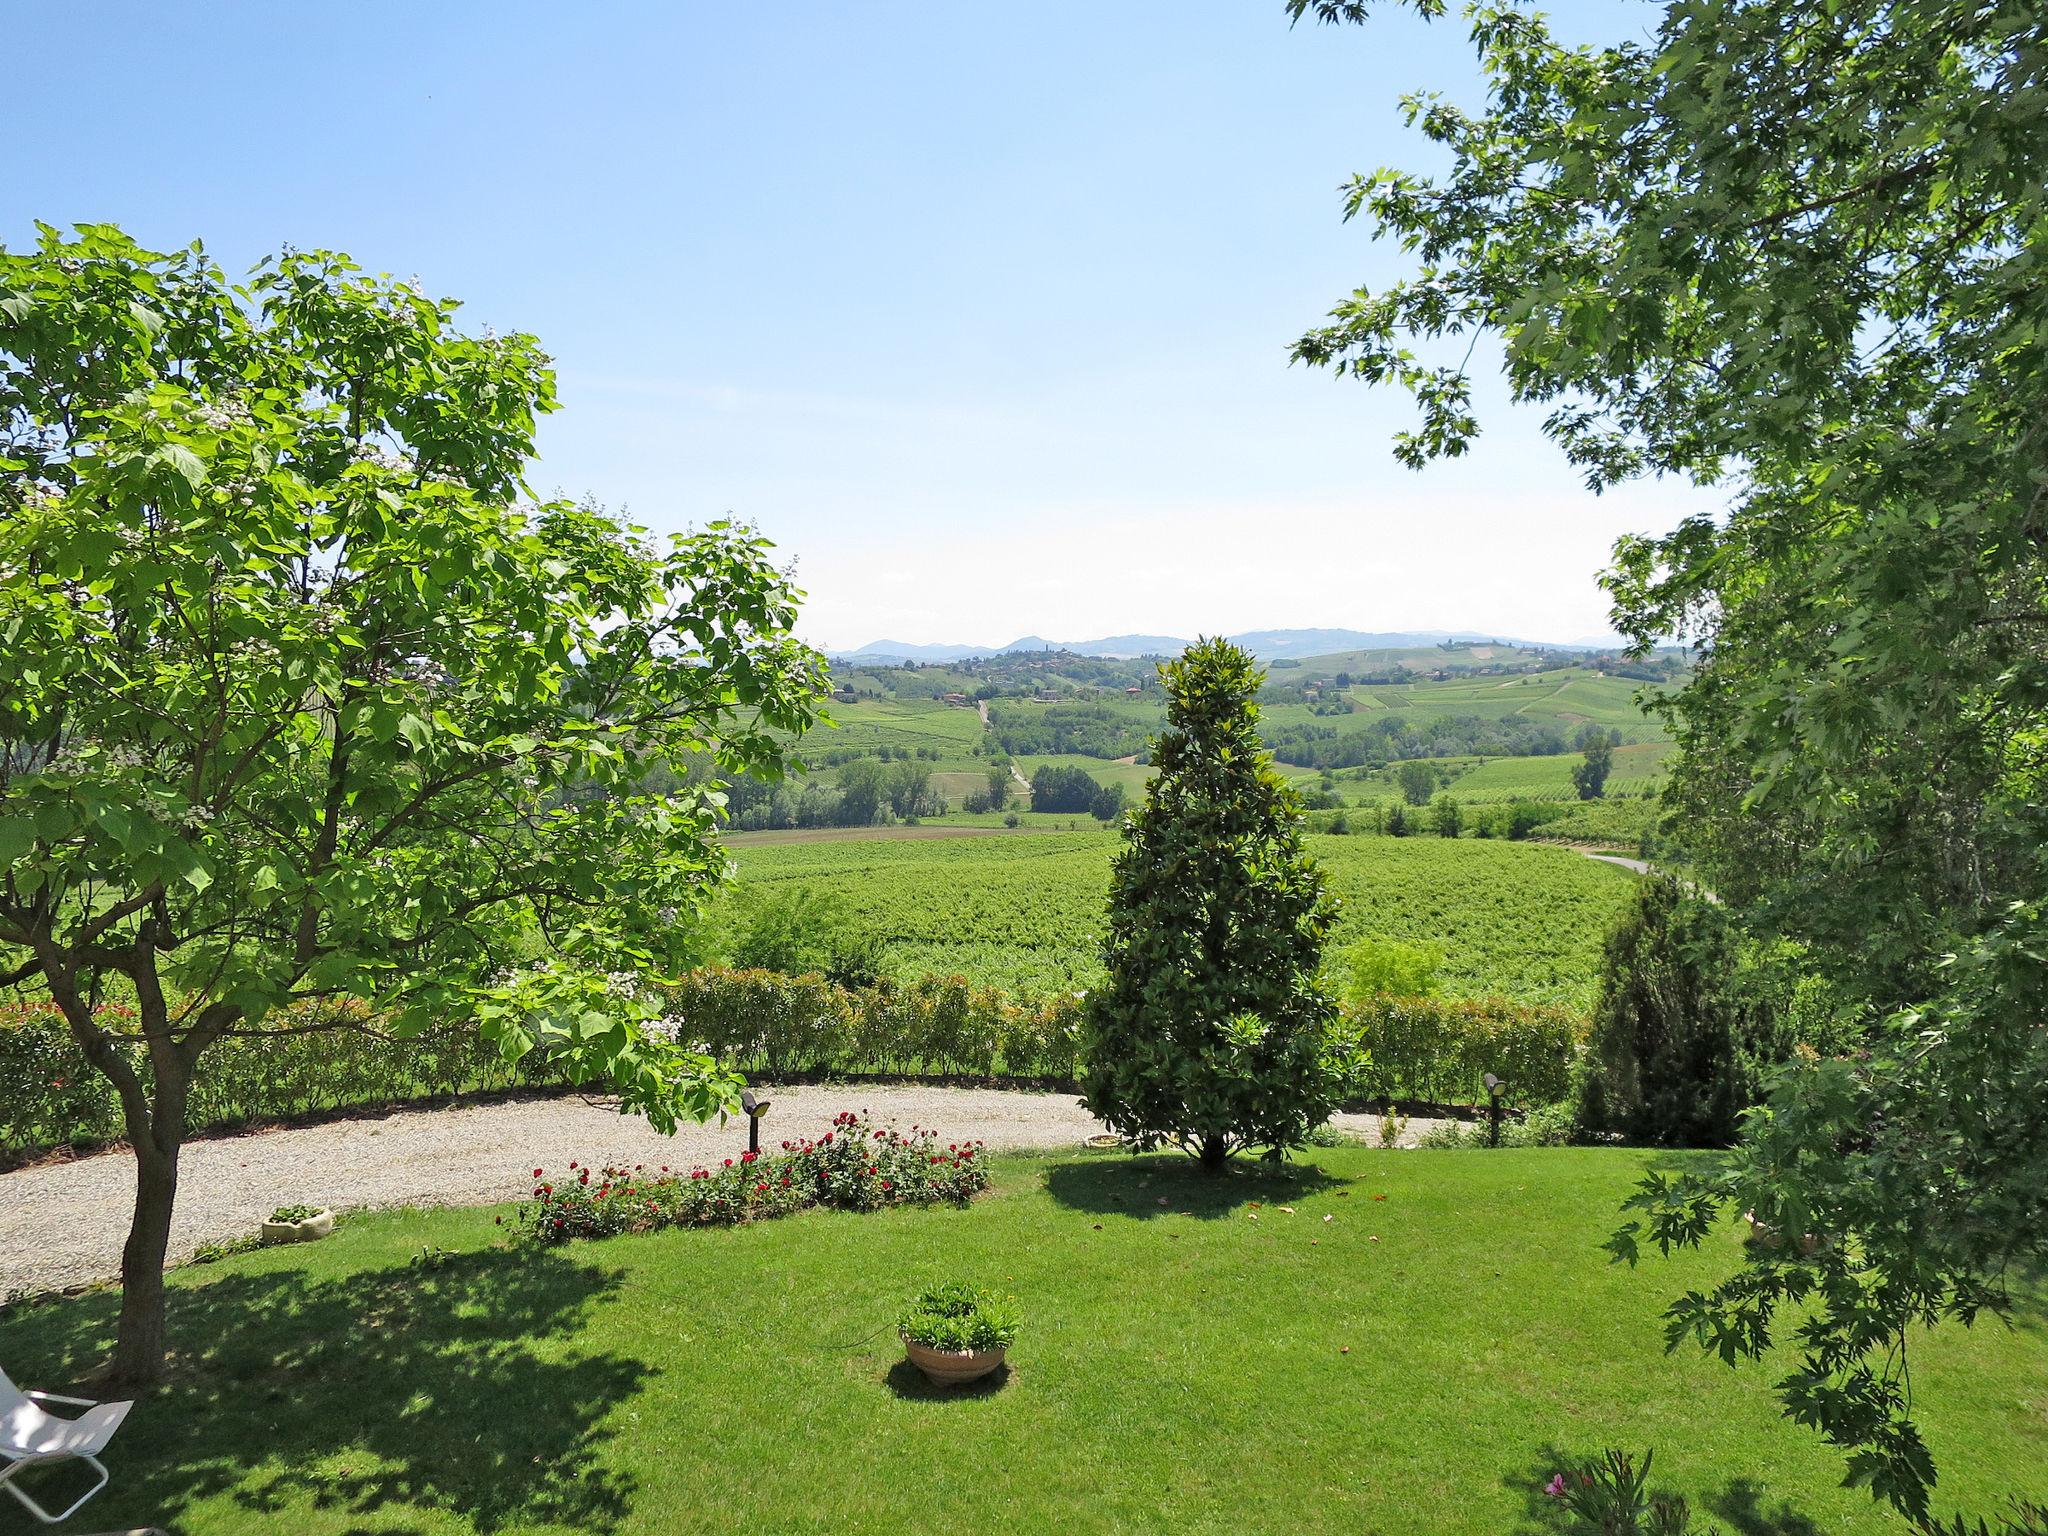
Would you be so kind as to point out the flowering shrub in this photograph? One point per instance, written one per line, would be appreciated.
(855, 1166)
(1612, 1497)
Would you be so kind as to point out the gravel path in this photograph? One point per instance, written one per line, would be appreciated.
(62, 1224)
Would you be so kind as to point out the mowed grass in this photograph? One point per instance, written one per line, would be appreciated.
(1026, 912)
(1182, 1367)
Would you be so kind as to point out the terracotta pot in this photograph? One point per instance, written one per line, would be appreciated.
(319, 1224)
(1764, 1235)
(952, 1368)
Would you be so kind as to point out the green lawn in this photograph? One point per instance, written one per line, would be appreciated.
(1182, 1368)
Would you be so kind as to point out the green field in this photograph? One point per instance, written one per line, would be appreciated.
(1566, 698)
(1025, 912)
(1422, 1360)
(1636, 769)
(899, 709)
(904, 724)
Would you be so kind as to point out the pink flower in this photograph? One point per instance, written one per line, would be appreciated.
(1555, 1487)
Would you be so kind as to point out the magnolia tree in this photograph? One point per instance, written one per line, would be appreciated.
(1208, 1032)
(298, 697)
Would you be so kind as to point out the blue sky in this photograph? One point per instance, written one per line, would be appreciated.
(981, 313)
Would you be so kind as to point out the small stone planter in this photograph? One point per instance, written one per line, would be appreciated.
(304, 1230)
(1103, 1141)
(952, 1368)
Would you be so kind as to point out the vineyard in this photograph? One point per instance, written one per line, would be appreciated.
(1637, 769)
(1024, 912)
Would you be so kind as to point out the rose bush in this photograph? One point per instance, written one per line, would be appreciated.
(855, 1166)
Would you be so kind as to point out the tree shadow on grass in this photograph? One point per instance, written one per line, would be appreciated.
(1740, 1502)
(451, 1386)
(907, 1381)
(1120, 1185)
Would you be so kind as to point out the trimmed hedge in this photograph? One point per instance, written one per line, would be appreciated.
(1439, 1050)
(759, 1021)
(50, 1096)
(764, 1023)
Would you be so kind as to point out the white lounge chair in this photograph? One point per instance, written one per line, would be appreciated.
(29, 1435)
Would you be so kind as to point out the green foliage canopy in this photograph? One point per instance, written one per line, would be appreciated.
(299, 698)
(1797, 249)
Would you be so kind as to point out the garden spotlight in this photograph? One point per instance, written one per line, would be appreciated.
(1494, 1087)
(755, 1109)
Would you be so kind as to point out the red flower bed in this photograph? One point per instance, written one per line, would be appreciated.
(855, 1166)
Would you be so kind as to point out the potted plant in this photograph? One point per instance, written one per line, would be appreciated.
(298, 1224)
(957, 1334)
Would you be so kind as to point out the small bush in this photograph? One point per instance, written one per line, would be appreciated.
(854, 1166)
(958, 1318)
(1373, 968)
(1612, 1497)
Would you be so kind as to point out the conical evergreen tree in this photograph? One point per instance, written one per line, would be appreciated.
(1208, 1033)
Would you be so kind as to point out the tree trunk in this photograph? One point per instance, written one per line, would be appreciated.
(1215, 1151)
(138, 1357)
(156, 1130)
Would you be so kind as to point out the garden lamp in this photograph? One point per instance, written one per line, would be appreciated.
(755, 1108)
(1494, 1087)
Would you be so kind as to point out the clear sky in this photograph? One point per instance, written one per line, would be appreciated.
(981, 313)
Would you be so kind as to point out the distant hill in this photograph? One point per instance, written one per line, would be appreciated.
(1266, 644)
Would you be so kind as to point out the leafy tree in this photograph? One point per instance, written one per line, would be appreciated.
(297, 699)
(1060, 787)
(1446, 815)
(999, 787)
(910, 791)
(863, 791)
(1589, 777)
(1417, 780)
(1108, 803)
(1663, 1062)
(1798, 249)
(1207, 1033)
